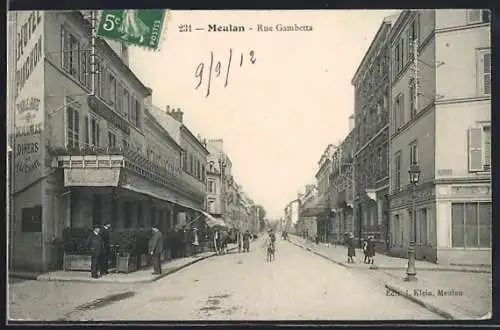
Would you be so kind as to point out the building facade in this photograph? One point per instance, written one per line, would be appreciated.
(324, 202)
(84, 156)
(307, 224)
(221, 196)
(371, 113)
(341, 187)
(440, 119)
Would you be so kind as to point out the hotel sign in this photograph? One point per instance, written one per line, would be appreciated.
(29, 106)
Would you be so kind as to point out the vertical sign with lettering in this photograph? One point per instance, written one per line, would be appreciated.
(29, 105)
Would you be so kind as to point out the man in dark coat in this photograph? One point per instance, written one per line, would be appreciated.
(106, 255)
(95, 243)
(155, 249)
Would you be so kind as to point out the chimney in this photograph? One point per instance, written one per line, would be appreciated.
(351, 122)
(177, 114)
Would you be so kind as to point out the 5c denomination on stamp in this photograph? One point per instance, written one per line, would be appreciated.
(139, 27)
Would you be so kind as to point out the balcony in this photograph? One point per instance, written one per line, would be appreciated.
(98, 166)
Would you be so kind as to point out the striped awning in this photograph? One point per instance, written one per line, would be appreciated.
(213, 221)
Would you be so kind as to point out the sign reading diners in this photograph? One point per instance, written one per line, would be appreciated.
(29, 105)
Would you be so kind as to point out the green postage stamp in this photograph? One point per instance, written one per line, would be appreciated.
(140, 27)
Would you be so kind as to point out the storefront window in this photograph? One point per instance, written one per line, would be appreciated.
(471, 225)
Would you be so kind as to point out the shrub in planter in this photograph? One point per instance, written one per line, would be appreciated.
(74, 240)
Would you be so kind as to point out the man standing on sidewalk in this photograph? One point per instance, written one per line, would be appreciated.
(106, 255)
(94, 242)
(155, 249)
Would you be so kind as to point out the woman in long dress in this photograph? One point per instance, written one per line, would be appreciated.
(133, 26)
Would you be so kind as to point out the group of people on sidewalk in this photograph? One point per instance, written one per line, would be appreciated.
(368, 249)
(244, 241)
(180, 242)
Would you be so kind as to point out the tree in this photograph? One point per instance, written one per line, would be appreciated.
(262, 215)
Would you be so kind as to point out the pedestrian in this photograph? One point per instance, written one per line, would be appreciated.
(365, 250)
(155, 246)
(217, 241)
(240, 241)
(371, 249)
(95, 244)
(246, 241)
(106, 255)
(351, 251)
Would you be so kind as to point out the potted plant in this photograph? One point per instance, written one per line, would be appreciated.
(76, 254)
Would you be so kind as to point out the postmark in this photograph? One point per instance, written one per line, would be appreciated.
(138, 27)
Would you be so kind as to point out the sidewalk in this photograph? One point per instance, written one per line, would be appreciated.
(338, 254)
(141, 276)
(460, 293)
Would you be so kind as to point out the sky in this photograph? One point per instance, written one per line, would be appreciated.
(290, 98)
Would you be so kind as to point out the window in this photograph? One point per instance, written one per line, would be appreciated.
(112, 91)
(413, 152)
(126, 103)
(422, 233)
(100, 78)
(471, 225)
(380, 164)
(476, 16)
(203, 173)
(125, 143)
(92, 131)
(398, 111)
(137, 113)
(484, 71)
(397, 170)
(412, 35)
(480, 148)
(70, 53)
(211, 206)
(211, 186)
(85, 67)
(111, 139)
(73, 128)
(191, 164)
(119, 98)
(184, 161)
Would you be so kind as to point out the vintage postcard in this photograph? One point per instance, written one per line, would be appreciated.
(173, 165)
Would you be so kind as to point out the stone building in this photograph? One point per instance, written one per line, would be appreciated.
(84, 158)
(371, 113)
(323, 199)
(307, 225)
(440, 119)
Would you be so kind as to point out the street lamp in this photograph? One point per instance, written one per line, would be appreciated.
(411, 272)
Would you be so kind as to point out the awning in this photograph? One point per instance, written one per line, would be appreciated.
(212, 221)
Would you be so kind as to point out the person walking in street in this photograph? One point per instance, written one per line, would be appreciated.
(155, 246)
(106, 255)
(370, 249)
(365, 250)
(217, 242)
(246, 241)
(95, 244)
(351, 251)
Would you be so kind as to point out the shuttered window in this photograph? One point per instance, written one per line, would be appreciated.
(484, 72)
(476, 16)
(479, 149)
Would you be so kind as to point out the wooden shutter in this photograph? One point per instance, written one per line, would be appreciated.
(484, 72)
(474, 15)
(475, 150)
(64, 49)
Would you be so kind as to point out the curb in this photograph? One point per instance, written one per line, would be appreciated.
(424, 304)
(443, 269)
(110, 280)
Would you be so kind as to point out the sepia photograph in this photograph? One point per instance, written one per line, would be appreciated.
(249, 165)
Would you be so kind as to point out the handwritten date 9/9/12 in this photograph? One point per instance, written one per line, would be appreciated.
(215, 71)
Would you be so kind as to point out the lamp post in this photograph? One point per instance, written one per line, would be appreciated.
(411, 272)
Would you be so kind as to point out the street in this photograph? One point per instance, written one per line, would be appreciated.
(296, 286)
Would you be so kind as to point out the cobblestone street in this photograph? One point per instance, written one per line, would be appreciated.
(296, 286)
